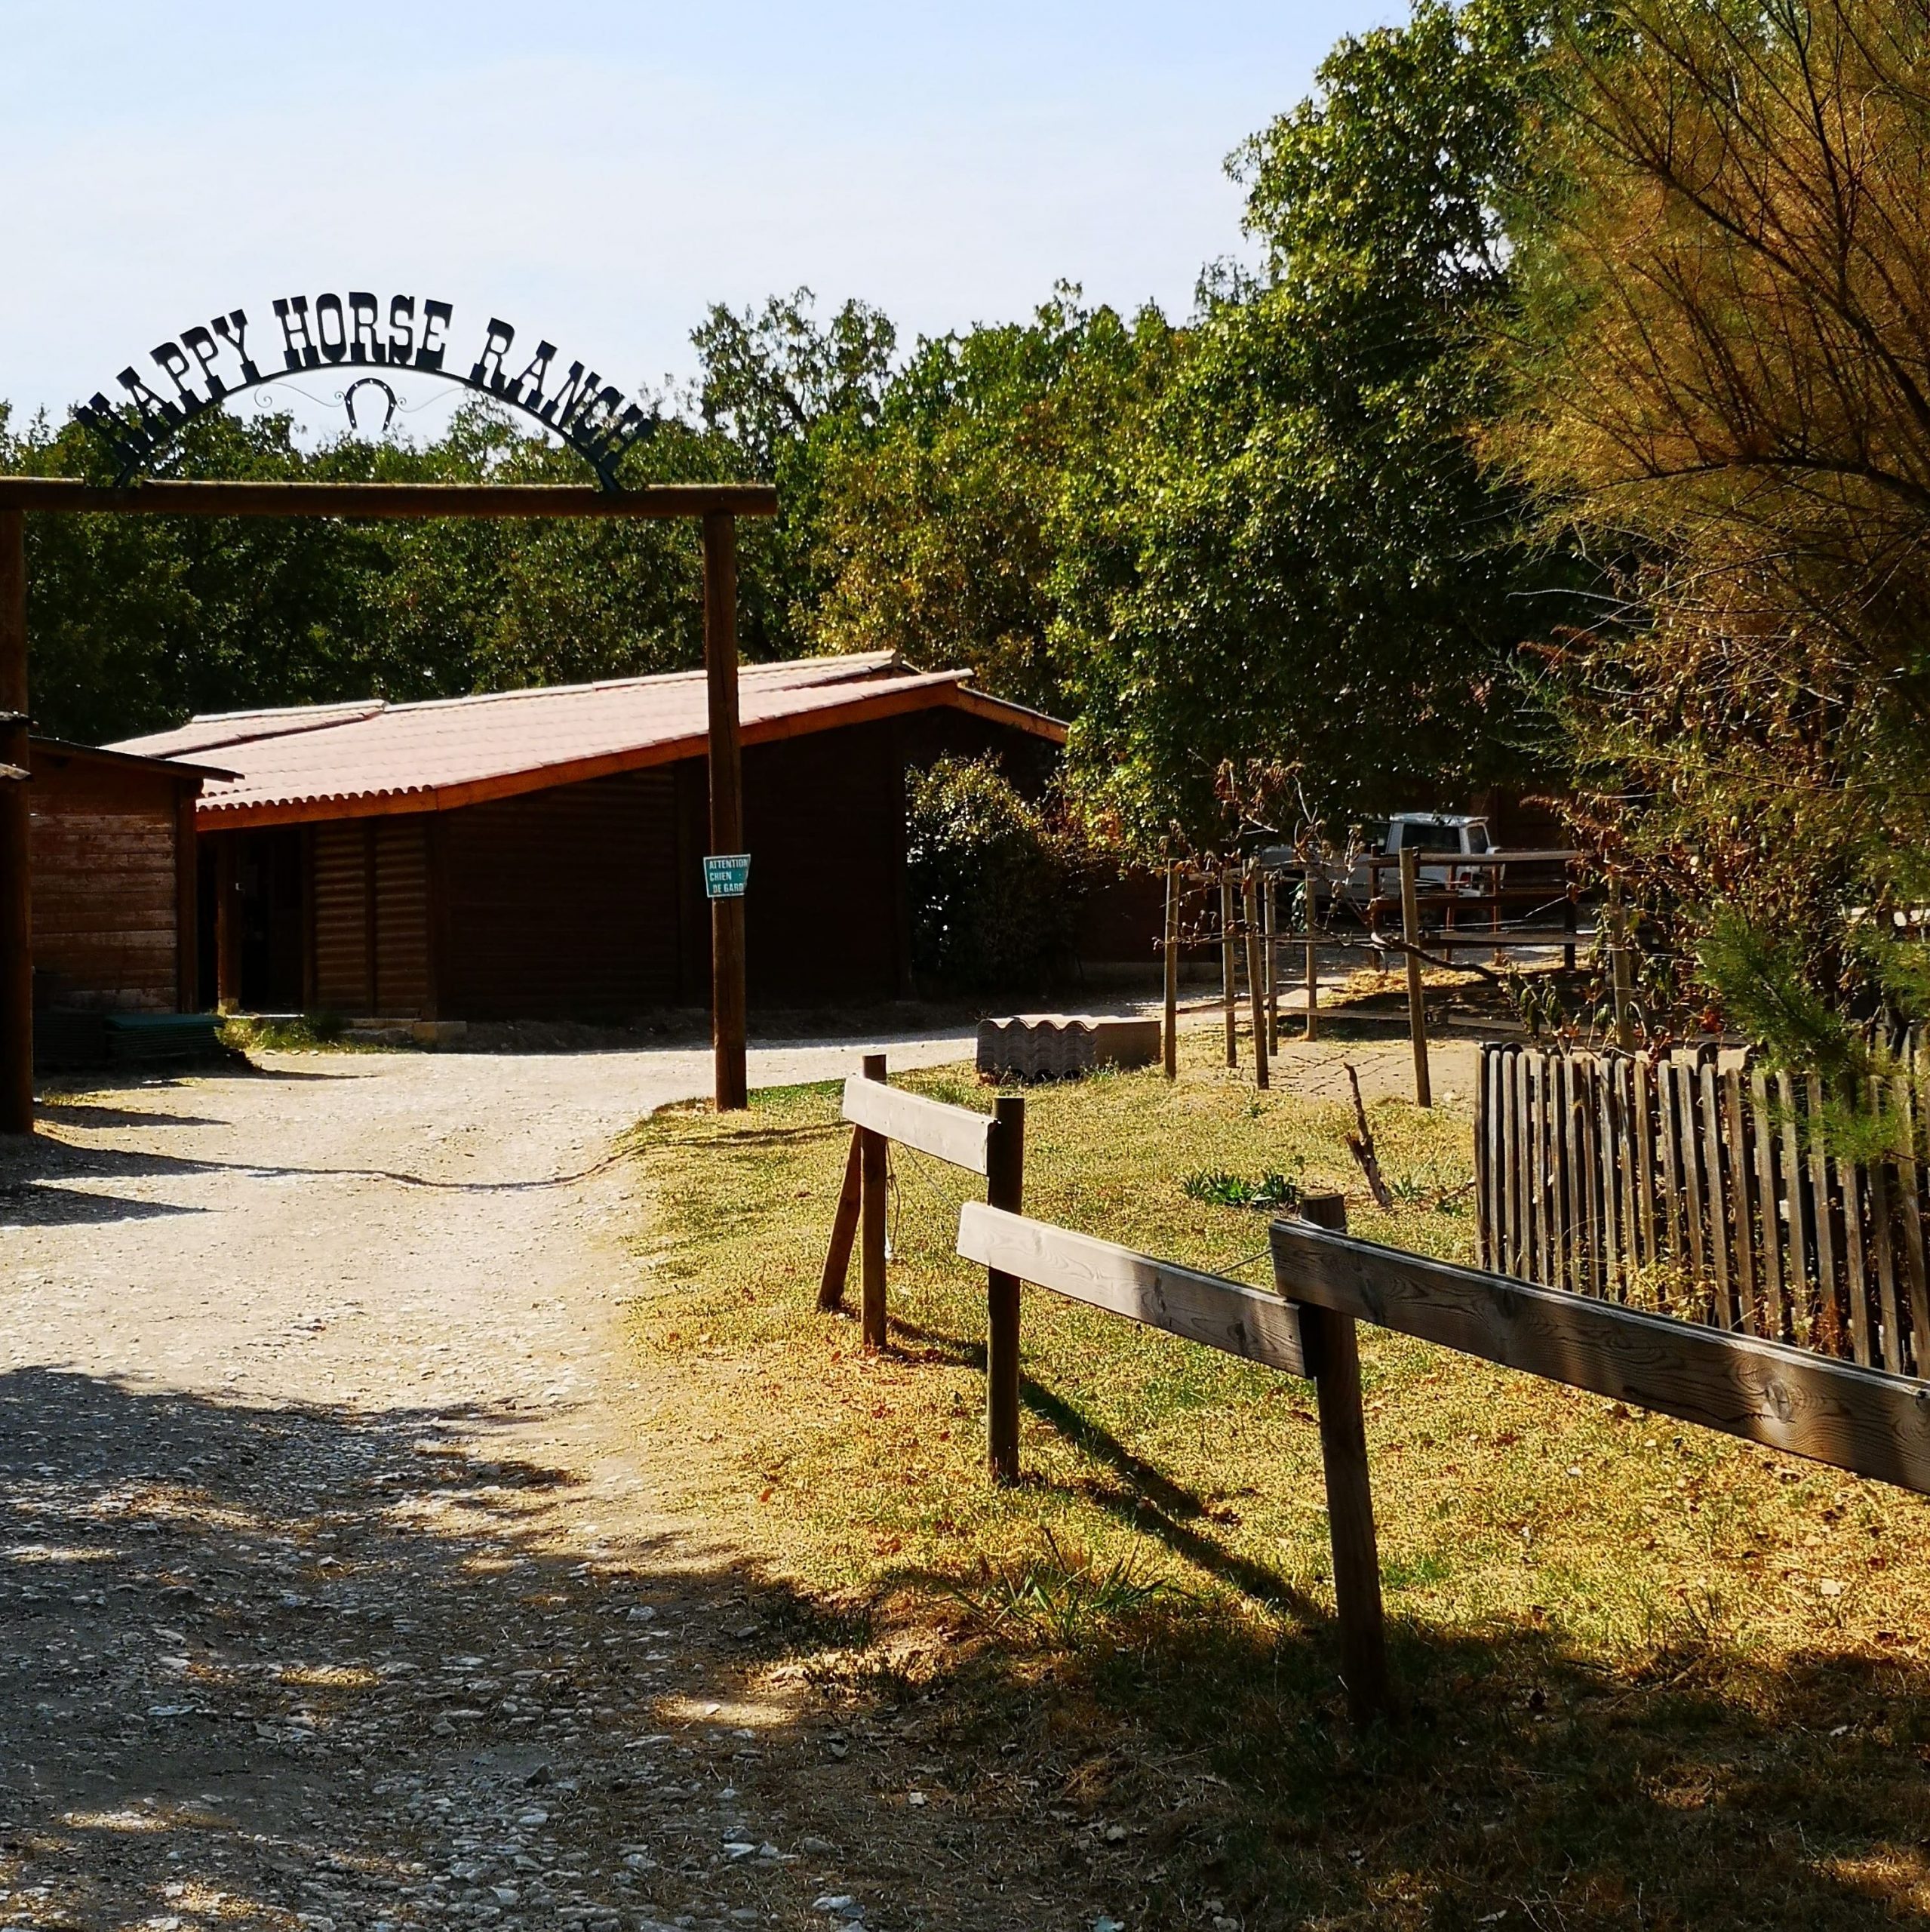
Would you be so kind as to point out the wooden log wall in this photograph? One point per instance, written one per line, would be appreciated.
(1696, 1184)
(106, 882)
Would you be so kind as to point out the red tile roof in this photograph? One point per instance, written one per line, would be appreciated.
(318, 761)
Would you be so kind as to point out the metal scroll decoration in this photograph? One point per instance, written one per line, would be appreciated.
(206, 364)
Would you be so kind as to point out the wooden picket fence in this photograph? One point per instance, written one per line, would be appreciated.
(1693, 1184)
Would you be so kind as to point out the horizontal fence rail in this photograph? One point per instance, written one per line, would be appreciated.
(1706, 1186)
(1783, 1397)
(1251, 1323)
(953, 1134)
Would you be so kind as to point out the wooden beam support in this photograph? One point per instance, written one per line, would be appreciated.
(843, 1228)
(187, 904)
(16, 860)
(728, 999)
(71, 496)
(228, 928)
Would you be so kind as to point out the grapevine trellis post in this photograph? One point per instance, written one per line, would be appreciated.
(716, 506)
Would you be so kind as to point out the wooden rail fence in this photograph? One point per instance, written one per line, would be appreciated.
(1698, 1183)
(993, 1145)
(1783, 1397)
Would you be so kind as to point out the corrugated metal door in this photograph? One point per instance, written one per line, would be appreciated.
(372, 919)
(342, 918)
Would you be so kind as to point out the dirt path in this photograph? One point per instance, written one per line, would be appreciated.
(332, 1592)
(327, 1593)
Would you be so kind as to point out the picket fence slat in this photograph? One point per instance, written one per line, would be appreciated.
(1702, 1185)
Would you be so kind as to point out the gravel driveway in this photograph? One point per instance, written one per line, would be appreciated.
(327, 1596)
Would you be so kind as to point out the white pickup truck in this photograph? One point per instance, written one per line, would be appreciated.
(1441, 836)
(1450, 834)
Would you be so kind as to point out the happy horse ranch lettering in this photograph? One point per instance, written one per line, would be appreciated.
(230, 353)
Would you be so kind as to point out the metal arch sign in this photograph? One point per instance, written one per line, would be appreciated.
(197, 370)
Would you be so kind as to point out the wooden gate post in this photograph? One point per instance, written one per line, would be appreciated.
(726, 806)
(1256, 977)
(15, 864)
(1171, 1039)
(1417, 1006)
(1229, 995)
(1333, 1353)
(1005, 1187)
(870, 1247)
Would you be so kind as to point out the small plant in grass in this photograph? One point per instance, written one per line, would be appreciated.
(1273, 1192)
(305, 1033)
(1062, 1593)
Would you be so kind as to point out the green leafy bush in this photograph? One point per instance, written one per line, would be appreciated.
(995, 881)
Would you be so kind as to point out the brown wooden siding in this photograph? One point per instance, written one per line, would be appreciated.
(824, 821)
(564, 904)
(105, 888)
(372, 911)
(402, 979)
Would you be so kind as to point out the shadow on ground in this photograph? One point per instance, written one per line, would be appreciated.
(265, 1662)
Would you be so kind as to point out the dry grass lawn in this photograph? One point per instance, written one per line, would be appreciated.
(1650, 1676)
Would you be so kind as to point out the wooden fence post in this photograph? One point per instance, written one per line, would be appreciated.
(1417, 1007)
(1270, 905)
(1229, 995)
(1170, 1038)
(871, 1264)
(1333, 1353)
(844, 1227)
(1005, 1187)
(1313, 959)
(1620, 976)
(1256, 977)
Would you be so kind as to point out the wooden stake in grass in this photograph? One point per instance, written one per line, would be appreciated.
(1170, 1037)
(1416, 1007)
(1333, 1352)
(1256, 978)
(1229, 996)
(1361, 1147)
(870, 1265)
(1313, 961)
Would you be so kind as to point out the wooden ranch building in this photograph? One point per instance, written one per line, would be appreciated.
(537, 854)
(112, 849)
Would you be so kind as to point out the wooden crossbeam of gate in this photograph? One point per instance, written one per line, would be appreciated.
(715, 506)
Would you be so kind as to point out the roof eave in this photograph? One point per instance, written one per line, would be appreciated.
(945, 689)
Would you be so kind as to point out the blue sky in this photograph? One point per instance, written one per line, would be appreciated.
(600, 172)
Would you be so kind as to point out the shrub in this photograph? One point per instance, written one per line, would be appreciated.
(995, 881)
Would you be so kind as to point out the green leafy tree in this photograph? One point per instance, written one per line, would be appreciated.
(941, 534)
(1722, 378)
(1301, 555)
